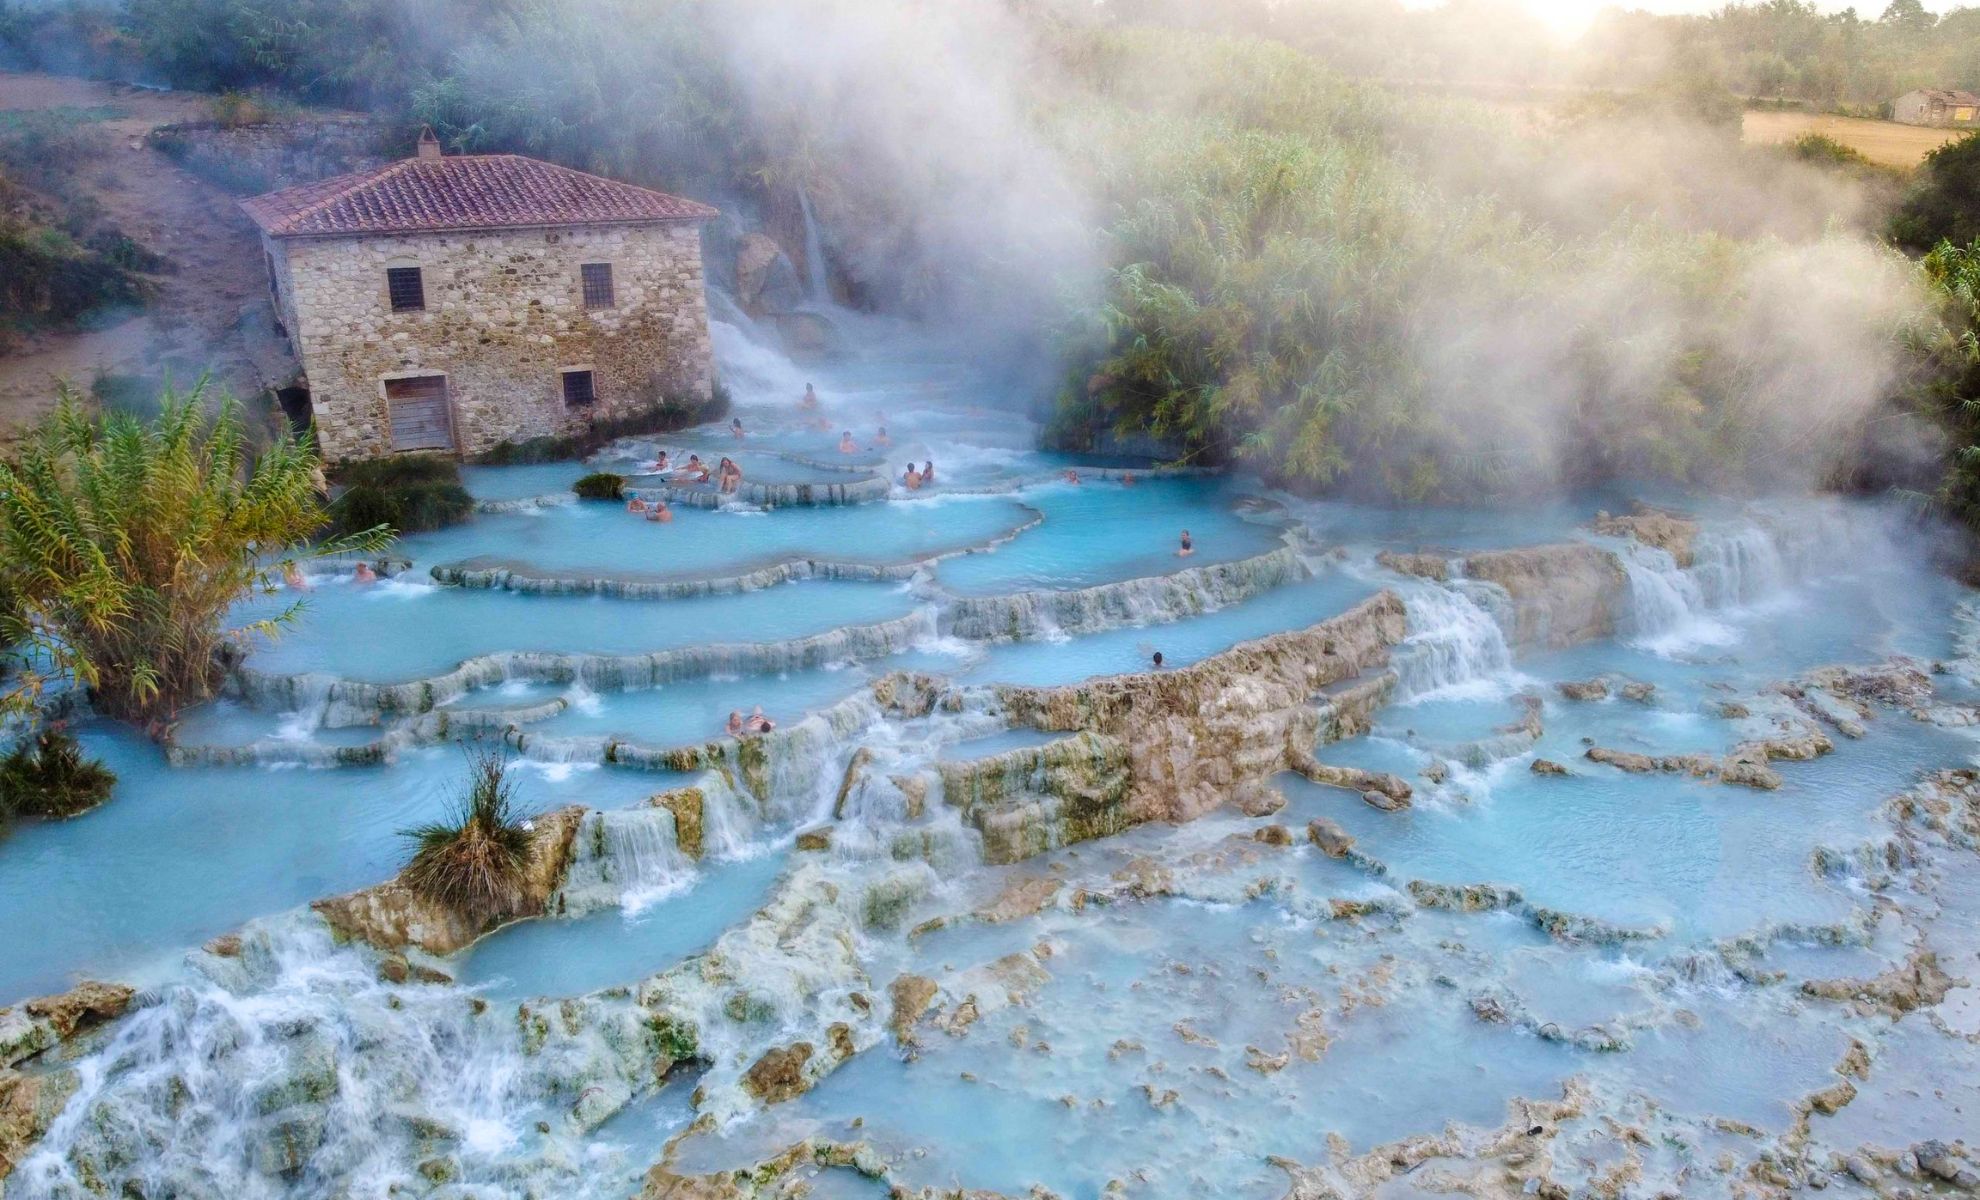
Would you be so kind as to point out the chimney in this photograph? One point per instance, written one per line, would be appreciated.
(429, 146)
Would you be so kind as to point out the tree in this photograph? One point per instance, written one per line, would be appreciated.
(1944, 204)
(1909, 16)
(123, 543)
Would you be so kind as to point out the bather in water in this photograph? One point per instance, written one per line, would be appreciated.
(1188, 547)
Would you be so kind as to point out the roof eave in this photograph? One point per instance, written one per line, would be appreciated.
(426, 231)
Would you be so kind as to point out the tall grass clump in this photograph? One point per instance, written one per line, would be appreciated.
(125, 541)
(600, 485)
(408, 494)
(473, 865)
(47, 776)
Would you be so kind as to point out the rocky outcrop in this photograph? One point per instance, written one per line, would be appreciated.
(1916, 983)
(31, 1098)
(1038, 798)
(1746, 766)
(29, 1104)
(1561, 595)
(766, 282)
(1191, 739)
(34, 1026)
(1422, 565)
(392, 916)
(1332, 840)
(1673, 533)
(687, 804)
(779, 1075)
(1144, 601)
(1378, 788)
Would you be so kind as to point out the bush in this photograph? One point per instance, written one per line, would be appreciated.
(125, 542)
(474, 865)
(601, 485)
(408, 494)
(47, 776)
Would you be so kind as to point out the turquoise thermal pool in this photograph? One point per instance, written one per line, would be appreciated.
(1628, 862)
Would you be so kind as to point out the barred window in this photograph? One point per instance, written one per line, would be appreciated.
(598, 285)
(578, 389)
(407, 289)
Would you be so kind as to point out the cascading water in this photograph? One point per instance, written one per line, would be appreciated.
(291, 1070)
(1454, 643)
(1666, 605)
(815, 289)
(628, 857)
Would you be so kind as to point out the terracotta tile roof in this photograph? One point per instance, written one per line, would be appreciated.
(461, 192)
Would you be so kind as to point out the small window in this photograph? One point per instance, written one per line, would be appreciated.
(407, 288)
(578, 389)
(598, 285)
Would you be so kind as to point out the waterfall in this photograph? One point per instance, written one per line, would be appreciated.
(290, 1069)
(1453, 641)
(1738, 565)
(814, 254)
(1667, 605)
(628, 857)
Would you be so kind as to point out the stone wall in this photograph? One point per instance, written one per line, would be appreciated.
(504, 316)
(266, 155)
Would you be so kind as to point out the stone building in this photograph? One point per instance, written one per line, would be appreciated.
(1936, 106)
(449, 303)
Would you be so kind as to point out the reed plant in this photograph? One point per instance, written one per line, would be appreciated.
(124, 543)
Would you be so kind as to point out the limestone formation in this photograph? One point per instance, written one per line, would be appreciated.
(1670, 532)
(1332, 840)
(1195, 737)
(1562, 595)
(687, 804)
(779, 1075)
(392, 916)
(1421, 565)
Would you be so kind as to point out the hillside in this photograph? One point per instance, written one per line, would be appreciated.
(208, 311)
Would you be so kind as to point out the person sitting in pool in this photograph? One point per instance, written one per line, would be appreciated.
(928, 471)
(912, 479)
(846, 444)
(881, 439)
(1127, 479)
(735, 723)
(695, 471)
(758, 723)
(1188, 547)
(1158, 660)
(659, 466)
(810, 401)
(364, 573)
(660, 512)
(731, 477)
(1072, 476)
(292, 578)
(735, 427)
(636, 505)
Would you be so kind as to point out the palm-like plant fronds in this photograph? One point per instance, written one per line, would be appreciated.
(124, 542)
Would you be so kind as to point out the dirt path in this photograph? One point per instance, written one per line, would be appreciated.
(211, 312)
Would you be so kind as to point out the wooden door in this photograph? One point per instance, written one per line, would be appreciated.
(422, 417)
